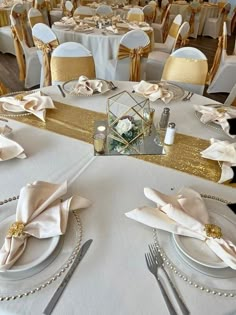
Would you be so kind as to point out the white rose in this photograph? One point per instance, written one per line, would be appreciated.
(123, 126)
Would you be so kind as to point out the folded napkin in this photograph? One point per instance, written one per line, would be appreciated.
(68, 20)
(40, 213)
(112, 29)
(218, 115)
(183, 214)
(222, 151)
(153, 91)
(87, 87)
(33, 103)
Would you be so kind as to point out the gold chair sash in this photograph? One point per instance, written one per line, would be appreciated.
(3, 18)
(69, 68)
(192, 71)
(222, 45)
(194, 11)
(36, 19)
(135, 17)
(20, 27)
(135, 55)
(166, 25)
(173, 31)
(19, 54)
(47, 50)
(3, 89)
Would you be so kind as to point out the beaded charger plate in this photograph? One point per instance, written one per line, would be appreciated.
(60, 260)
(177, 91)
(216, 281)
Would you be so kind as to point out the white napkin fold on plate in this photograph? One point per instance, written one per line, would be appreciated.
(222, 151)
(9, 149)
(183, 214)
(68, 20)
(112, 29)
(218, 115)
(43, 214)
(153, 91)
(33, 103)
(84, 86)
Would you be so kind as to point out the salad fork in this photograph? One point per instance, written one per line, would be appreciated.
(152, 267)
(160, 264)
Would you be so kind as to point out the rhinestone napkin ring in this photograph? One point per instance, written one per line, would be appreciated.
(16, 229)
(213, 230)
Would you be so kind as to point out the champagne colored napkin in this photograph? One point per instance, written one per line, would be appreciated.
(33, 103)
(112, 29)
(87, 87)
(153, 91)
(222, 151)
(42, 213)
(183, 214)
(9, 149)
(68, 20)
(218, 115)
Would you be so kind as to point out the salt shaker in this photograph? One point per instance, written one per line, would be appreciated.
(164, 118)
(170, 134)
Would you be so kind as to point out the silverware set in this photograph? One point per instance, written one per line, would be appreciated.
(155, 262)
(188, 96)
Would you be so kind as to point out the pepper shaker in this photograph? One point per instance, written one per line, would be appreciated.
(164, 118)
(170, 134)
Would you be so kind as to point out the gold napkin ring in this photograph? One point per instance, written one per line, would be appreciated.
(16, 229)
(213, 230)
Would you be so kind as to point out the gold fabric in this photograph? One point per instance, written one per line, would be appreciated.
(135, 17)
(166, 25)
(194, 11)
(3, 89)
(185, 70)
(222, 45)
(47, 50)
(3, 18)
(135, 55)
(20, 27)
(173, 31)
(69, 68)
(35, 19)
(19, 55)
(78, 123)
(149, 17)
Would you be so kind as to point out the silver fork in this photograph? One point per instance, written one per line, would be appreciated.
(160, 264)
(152, 267)
(188, 96)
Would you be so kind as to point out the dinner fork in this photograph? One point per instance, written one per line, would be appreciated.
(152, 267)
(160, 264)
(188, 97)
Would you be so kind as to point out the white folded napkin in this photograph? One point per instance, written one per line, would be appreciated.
(33, 103)
(218, 115)
(153, 91)
(112, 29)
(68, 20)
(87, 87)
(222, 151)
(43, 215)
(183, 214)
(116, 18)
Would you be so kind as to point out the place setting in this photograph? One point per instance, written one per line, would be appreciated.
(41, 237)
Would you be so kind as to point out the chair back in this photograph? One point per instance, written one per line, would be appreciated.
(68, 9)
(83, 12)
(149, 13)
(71, 60)
(132, 54)
(135, 14)
(173, 32)
(34, 17)
(45, 41)
(231, 99)
(187, 67)
(3, 89)
(104, 10)
(182, 36)
(42, 6)
(165, 22)
(195, 8)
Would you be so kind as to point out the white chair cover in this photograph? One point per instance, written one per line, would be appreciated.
(6, 40)
(187, 67)
(135, 14)
(120, 69)
(83, 11)
(69, 61)
(41, 5)
(231, 97)
(32, 64)
(149, 13)
(34, 17)
(69, 8)
(159, 29)
(104, 10)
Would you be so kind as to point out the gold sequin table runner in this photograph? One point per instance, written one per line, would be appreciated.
(78, 123)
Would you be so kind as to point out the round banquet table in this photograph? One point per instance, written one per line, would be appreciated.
(113, 277)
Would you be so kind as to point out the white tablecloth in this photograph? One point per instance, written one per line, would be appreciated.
(113, 277)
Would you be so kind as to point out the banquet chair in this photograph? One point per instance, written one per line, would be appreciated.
(194, 18)
(157, 59)
(187, 67)
(104, 10)
(149, 13)
(41, 5)
(213, 26)
(68, 9)
(221, 77)
(45, 41)
(231, 21)
(231, 99)
(154, 5)
(55, 13)
(34, 17)
(171, 38)
(3, 89)
(131, 58)
(83, 12)
(160, 30)
(29, 65)
(69, 61)
(135, 15)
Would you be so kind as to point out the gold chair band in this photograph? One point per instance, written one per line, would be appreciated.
(3, 18)
(185, 70)
(36, 19)
(135, 55)
(135, 17)
(174, 30)
(69, 68)
(19, 54)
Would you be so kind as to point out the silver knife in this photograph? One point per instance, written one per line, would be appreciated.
(54, 299)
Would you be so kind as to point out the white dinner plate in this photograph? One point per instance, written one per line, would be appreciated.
(12, 108)
(68, 87)
(36, 252)
(197, 251)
